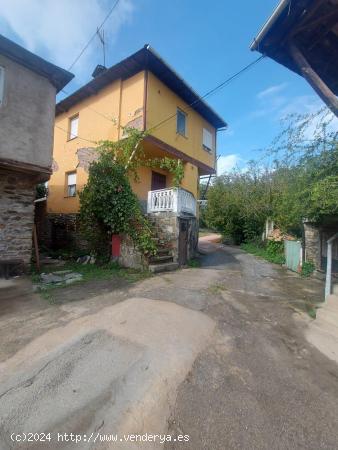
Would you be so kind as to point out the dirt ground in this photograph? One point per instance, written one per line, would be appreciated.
(257, 384)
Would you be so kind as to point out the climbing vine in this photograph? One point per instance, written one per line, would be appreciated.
(107, 203)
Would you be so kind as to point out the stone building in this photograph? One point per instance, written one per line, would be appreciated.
(28, 86)
(316, 236)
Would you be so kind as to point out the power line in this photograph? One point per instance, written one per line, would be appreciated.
(94, 35)
(110, 119)
(79, 137)
(199, 99)
(212, 91)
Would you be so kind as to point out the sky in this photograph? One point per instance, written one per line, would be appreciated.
(205, 42)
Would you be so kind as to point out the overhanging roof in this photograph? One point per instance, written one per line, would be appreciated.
(310, 24)
(144, 59)
(57, 76)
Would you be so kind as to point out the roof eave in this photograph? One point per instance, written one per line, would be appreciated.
(57, 76)
(67, 102)
(268, 24)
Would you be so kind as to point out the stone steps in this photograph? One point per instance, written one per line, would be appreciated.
(165, 267)
(160, 259)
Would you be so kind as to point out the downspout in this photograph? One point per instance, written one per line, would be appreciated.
(329, 265)
(120, 108)
(145, 98)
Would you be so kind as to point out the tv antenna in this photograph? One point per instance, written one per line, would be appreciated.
(100, 34)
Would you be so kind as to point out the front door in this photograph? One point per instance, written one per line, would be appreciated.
(158, 181)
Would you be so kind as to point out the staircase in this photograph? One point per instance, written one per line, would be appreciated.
(163, 261)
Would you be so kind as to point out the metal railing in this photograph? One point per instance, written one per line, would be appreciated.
(177, 200)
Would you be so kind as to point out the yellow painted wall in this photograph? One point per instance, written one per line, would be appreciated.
(100, 117)
(98, 120)
(162, 103)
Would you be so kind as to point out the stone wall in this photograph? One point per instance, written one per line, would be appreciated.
(166, 227)
(59, 231)
(312, 244)
(130, 256)
(17, 194)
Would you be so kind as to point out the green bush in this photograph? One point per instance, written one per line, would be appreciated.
(109, 206)
(307, 269)
(272, 251)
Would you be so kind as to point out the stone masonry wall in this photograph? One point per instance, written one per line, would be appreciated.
(17, 193)
(312, 244)
(166, 226)
(130, 256)
(60, 231)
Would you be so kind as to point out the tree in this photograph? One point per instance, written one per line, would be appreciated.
(302, 182)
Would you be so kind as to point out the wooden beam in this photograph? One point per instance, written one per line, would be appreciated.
(329, 20)
(314, 79)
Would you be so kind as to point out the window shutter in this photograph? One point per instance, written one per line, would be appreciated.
(207, 139)
(74, 123)
(2, 84)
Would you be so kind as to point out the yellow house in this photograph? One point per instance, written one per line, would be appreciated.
(143, 92)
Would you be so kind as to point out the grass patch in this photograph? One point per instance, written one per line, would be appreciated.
(270, 252)
(89, 272)
(311, 310)
(194, 263)
(216, 288)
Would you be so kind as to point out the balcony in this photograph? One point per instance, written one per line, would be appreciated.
(176, 200)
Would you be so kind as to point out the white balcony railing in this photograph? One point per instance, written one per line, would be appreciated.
(176, 200)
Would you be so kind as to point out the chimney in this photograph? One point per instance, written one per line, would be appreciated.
(98, 70)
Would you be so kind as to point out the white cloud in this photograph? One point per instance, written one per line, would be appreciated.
(227, 163)
(59, 29)
(272, 90)
(270, 101)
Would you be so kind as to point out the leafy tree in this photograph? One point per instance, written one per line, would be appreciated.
(302, 182)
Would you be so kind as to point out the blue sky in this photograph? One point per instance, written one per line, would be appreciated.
(205, 42)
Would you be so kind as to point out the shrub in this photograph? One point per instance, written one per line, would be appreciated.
(307, 269)
(109, 206)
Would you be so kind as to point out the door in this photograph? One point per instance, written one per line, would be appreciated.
(158, 181)
(183, 242)
(292, 254)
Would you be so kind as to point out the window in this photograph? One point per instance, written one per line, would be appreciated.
(207, 139)
(2, 85)
(73, 127)
(181, 122)
(71, 184)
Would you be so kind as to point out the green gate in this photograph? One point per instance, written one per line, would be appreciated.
(293, 255)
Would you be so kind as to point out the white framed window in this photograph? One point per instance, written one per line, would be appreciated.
(181, 123)
(71, 184)
(207, 140)
(2, 85)
(73, 127)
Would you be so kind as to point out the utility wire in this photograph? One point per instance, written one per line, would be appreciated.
(191, 105)
(110, 119)
(78, 137)
(212, 91)
(94, 35)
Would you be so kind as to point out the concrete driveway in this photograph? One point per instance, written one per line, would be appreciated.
(216, 353)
